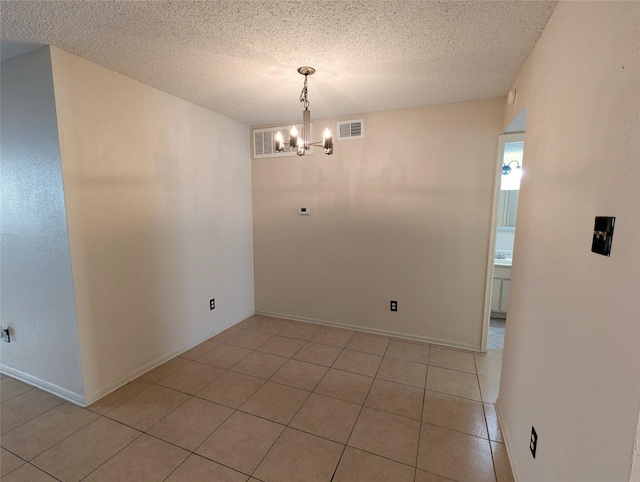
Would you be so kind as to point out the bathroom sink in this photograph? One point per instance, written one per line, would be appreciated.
(502, 262)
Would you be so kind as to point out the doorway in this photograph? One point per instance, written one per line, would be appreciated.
(501, 256)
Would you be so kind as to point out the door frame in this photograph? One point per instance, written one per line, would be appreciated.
(486, 319)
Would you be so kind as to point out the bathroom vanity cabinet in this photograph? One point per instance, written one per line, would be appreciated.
(500, 291)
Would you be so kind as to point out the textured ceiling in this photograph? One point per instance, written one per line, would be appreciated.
(239, 58)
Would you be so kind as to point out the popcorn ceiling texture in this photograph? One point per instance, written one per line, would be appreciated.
(239, 58)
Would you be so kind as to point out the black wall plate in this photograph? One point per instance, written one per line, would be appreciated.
(603, 235)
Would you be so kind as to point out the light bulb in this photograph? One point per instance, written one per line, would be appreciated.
(518, 173)
(327, 142)
(293, 137)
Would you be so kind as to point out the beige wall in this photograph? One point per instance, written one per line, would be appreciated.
(37, 295)
(403, 214)
(571, 364)
(158, 195)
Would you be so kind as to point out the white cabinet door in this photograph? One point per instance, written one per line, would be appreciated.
(512, 209)
(508, 209)
(504, 295)
(495, 294)
(502, 209)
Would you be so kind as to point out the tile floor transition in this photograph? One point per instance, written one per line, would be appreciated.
(496, 334)
(272, 400)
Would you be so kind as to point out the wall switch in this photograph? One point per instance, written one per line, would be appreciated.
(212, 304)
(394, 306)
(304, 210)
(603, 235)
(533, 444)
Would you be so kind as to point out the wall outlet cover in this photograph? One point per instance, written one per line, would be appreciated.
(603, 235)
(533, 444)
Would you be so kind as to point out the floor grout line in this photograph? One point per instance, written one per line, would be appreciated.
(424, 396)
(309, 393)
(358, 417)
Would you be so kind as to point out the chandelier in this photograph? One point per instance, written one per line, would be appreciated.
(302, 141)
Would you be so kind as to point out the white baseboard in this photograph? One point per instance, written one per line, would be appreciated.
(505, 439)
(69, 396)
(123, 380)
(376, 331)
(88, 399)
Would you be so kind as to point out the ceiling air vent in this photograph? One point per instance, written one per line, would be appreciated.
(264, 142)
(353, 129)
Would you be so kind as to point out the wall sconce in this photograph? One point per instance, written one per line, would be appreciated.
(506, 169)
(511, 176)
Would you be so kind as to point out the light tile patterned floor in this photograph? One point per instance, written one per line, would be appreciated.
(272, 400)
(496, 334)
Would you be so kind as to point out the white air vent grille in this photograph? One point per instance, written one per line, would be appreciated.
(353, 129)
(264, 142)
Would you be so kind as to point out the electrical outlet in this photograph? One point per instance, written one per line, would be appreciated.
(533, 444)
(394, 306)
(212, 304)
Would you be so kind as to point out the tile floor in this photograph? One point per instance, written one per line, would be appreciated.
(272, 400)
(496, 334)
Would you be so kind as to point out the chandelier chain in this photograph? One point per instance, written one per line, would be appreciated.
(303, 94)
